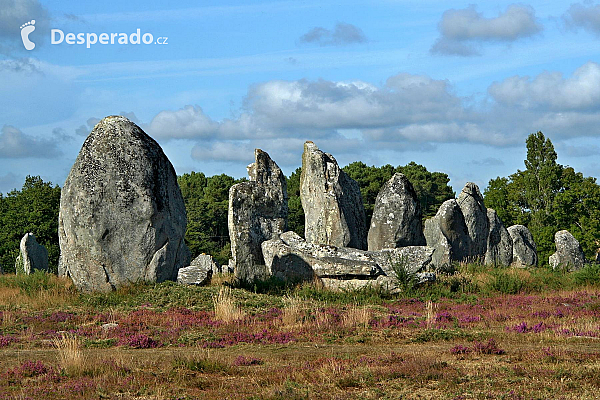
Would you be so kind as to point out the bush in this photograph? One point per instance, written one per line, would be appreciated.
(588, 275)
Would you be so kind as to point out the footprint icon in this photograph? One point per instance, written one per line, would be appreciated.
(26, 29)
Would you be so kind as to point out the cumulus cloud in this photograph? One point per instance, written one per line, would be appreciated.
(584, 16)
(342, 34)
(462, 31)
(406, 113)
(85, 130)
(550, 90)
(16, 144)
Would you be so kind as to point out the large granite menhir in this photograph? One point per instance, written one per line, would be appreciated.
(396, 220)
(333, 208)
(474, 212)
(257, 212)
(122, 217)
(524, 248)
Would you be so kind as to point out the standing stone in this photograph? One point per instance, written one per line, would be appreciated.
(524, 248)
(569, 254)
(499, 243)
(447, 233)
(470, 202)
(33, 256)
(397, 216)
(257, 212)
(122, 217)
(333, 208)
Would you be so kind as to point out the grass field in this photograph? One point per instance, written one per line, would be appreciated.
(476, 334)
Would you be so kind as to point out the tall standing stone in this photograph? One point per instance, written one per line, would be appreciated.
(257, 212)
(396, 220)
(447, 233)
(32, 256)
(524, 248)
(333, 208)
(122, 217)
(499, 243)
(470, 202)
(569, 254)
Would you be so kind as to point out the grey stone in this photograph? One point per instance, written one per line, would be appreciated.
(206, 261)
(333, 208)
(122, 217)
(32, 256)
(194, 275)
(291, 258)
(108, 326)
(474, 212)
(257, 212)
(396, 220)
(447, 233)
(569, 254)
(499, 243)
(524, 248)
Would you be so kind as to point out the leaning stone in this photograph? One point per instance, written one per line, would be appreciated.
(396, 220)
(194, 275)
(413, 259)
(447, 233)
(122, 217)
(474, 212)
(333, 208)
(524, 248)
(569, 254)
(257, 212)
(206, 261)
(33, 256)
(499, 243)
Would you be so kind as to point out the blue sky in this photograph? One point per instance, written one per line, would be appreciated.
(452, 85)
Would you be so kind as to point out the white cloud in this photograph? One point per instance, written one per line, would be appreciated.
(585, 16)
(550, 90)
(462, 31)
(186, 123)
(342, 34)
(16, 144)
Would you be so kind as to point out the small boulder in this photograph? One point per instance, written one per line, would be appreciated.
(257, 212)
(447, 233)
(474, 212)
(569, 254)
(524, 248)
(206, 261)
(33, 256)
(194, 275)
(396, 220)
(332, 203)
(499, 243)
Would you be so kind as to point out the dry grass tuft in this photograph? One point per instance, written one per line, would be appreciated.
(357, 317)
(225, 308)
(292, 313)
(70, 354)
(430, 311)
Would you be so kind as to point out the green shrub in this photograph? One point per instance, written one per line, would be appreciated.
(588, 275)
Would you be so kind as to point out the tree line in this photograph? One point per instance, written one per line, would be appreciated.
(546, 197)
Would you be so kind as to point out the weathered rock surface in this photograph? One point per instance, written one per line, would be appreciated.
(396, 220)
(291, 258)
(257, 212)
(569, 254)
(447, 233)
(197, 275)
(333, 208)
(499, 243)
(206, 261)
(474, 212)
(524, 248)
(122, 217)
(32, 256)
